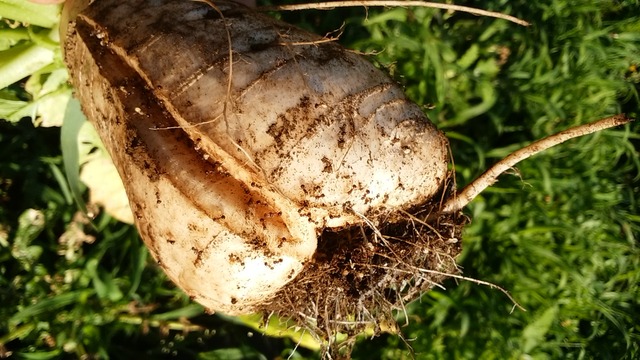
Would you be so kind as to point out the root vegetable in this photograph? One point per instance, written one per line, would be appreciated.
(269, 169)
(237, 155)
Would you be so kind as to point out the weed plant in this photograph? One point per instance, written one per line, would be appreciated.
(561, 232)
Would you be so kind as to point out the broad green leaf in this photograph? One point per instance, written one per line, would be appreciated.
(22, 60)
(30, 13)
(48, 110)
(50, 93)
(12, 110)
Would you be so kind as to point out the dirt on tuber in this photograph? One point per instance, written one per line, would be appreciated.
(267, 169)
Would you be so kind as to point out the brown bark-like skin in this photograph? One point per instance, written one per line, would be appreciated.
(234, 168)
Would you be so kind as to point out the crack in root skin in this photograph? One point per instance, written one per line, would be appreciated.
(357, 280)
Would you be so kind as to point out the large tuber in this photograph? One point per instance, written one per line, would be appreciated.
(267, 168)
(241, 139)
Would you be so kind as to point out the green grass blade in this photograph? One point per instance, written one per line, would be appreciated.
(188, 311)
(46, 305)
(73, 121)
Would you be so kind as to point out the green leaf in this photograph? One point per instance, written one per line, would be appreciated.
(22, 60)
(103, 283)
(30, 13)
(74, 119)
(534, 334)
(489, 98)
(188, 311)
(469, 57)
(10, 37)
(243, 353)
(139, 257)
(279, 327)
(40, 355)
(18, 333)
(30, 224)
(12, 109)
(46, 305)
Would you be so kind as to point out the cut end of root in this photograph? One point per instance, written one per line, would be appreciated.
(360, 276)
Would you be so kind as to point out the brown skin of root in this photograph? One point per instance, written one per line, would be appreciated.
(357, 280)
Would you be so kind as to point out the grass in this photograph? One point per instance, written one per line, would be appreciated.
(560, 233)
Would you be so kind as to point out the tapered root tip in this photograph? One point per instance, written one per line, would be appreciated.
(489, 177)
